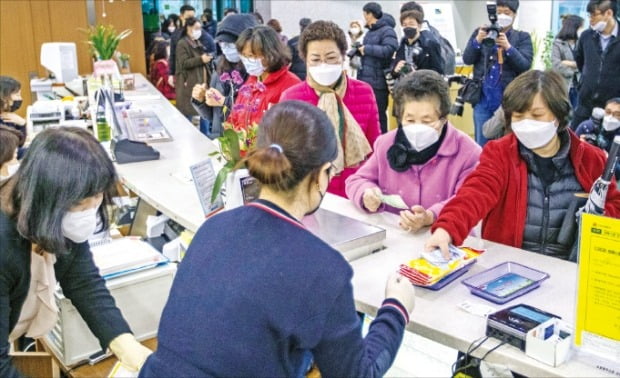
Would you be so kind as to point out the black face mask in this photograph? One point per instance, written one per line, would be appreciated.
(16, 105)
(402, 156)
(410, 33)
(317, 206)
(320, 194)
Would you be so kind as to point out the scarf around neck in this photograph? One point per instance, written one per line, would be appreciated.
(353, 147)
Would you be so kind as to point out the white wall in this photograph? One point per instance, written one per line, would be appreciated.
(467, 14)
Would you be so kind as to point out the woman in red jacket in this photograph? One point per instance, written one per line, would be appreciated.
(526, 181)
(350, 104)
(266, 61)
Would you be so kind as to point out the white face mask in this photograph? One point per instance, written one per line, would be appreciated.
(230, 52)
(78, 226)
(534, 134)
(354, 31)
(610, 123)
(503, 20)
(196, 33)
(171, 29)
(420, 136)
(253, 66)
(326, 74)
(599, 26)
(12, 168)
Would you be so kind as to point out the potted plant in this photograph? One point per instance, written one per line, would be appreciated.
(236, 140)
(124, 60)
(103, 41)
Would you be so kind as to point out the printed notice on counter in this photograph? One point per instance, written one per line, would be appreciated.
(598, 300)
(204, 176)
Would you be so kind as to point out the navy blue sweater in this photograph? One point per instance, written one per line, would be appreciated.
(255, 293)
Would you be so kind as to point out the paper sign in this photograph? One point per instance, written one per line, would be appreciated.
(204, 176)
(598, 300)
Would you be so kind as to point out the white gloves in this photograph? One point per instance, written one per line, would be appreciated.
(129, 351)
(401, 289)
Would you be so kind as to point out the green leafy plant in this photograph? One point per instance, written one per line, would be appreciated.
(104, 40)
(235, 143)
(547, 50)
(536, 42)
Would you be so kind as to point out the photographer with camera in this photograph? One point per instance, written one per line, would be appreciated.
(416, 51)
(601, 129)
(499, 54)
(380, 44)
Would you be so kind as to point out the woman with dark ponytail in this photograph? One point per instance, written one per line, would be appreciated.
(259, 295)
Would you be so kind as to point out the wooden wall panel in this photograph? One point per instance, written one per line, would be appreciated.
(66, 18)
(126, 14)
(41, 31)
(17, 56)
(25, 24)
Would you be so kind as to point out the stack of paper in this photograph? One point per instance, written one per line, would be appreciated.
(127, 255)
(432, 267)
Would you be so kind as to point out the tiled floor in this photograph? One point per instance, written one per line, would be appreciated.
(419, 357)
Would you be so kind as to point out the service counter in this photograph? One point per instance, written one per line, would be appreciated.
(165, 184)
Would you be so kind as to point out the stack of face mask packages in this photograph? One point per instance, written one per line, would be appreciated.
(432, 267)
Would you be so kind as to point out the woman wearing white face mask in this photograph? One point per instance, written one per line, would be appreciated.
(526, 181)
(9, 141)
(424, 161)
(353, 60)
(266, 60)
(228, 77)
(50, 207)
(349, 103)
(192, 66)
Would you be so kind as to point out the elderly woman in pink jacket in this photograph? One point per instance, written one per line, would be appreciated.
(423, 162)
(349, 103)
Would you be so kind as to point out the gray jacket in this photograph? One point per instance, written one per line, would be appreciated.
(563, 51)
(495, 127)
(216, 114)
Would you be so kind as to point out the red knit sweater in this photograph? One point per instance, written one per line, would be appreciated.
(496, 192)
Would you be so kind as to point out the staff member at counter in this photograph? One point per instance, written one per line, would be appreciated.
(48, 209)
(10, 102)
(525, 181)
(262, 301)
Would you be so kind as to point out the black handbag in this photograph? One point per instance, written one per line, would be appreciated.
(471, 91)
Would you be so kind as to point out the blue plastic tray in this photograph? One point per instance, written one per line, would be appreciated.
(449, 278)
(505, 282)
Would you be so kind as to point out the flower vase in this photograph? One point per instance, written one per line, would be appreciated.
(106, 68)
(233, 193)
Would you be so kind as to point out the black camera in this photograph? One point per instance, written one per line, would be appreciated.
(354, 50)
(494, 29)
(459, 103)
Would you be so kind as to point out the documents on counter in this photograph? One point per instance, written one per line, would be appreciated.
(123, 256)
(432, 271)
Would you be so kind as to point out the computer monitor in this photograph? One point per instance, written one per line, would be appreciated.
(60, 59)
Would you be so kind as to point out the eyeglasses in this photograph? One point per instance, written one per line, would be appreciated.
(331, 171)
(333, 59)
